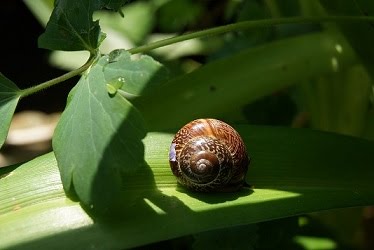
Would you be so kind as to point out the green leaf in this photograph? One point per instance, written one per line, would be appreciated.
(71, 27)
(98, 138)
(224, 85)
(294, 171)
(9, 97)
(134, 76)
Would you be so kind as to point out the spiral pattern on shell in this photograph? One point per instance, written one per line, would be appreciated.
(209, 155)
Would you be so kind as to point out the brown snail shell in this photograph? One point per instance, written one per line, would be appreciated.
(208, 155)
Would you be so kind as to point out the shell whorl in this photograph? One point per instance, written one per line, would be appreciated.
(208, 155)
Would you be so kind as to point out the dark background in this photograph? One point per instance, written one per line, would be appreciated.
(24, 63)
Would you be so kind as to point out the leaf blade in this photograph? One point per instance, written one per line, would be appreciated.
(9, 97)
(104, 147)
(227, 84)
(71, 27)
(282, 187)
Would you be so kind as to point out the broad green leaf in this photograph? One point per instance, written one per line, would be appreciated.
(98, 138)
(9, 97)
(224, 85)
(134, 76)
(293, 171)
(71, 27)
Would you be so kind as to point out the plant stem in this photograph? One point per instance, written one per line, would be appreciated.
(247, 25)
(50, 83)
(208, 32)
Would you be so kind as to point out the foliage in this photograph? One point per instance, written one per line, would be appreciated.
(116, 149)
(108, 173)
(8, 102)
(299, 183)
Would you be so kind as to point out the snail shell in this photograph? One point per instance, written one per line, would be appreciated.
(208, 155)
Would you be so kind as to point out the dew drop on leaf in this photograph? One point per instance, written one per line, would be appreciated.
(115, 55)
(115, 84)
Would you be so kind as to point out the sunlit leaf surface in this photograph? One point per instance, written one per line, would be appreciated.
(293, 171)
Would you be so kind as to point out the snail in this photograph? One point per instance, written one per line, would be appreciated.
(208, 155)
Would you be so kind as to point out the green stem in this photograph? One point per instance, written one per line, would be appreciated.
(247, 25)
(50, 83)
(198, 34)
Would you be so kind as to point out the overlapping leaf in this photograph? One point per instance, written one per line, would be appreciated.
(9, 96)
(134, 76)
(98, 138)
(71, 26)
